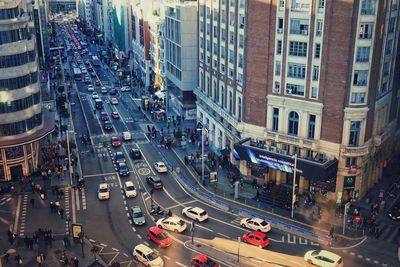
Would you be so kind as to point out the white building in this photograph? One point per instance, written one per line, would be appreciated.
(180, 40)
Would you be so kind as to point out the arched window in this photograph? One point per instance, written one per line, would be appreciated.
(293, 123)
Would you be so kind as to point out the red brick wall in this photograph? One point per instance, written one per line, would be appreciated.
(259, 55)
(336, 65)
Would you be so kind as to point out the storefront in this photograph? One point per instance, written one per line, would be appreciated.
(262, 162)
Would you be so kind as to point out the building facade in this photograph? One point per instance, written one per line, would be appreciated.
(23, 121)
(121, 25)
(311, 78)
(181, 69)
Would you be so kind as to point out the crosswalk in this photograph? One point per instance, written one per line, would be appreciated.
(80, 199)
(389, 232)
(4, 200)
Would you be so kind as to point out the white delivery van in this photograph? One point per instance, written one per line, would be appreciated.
(127, 136)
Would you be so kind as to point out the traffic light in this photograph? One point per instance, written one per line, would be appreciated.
(358, 218)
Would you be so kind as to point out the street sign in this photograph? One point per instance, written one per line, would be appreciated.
(76, 230)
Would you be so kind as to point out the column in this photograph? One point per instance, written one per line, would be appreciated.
(301, 184)
(278, 177)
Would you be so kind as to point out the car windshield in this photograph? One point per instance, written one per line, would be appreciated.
(138, 214)
(181, 223)
(315, 253)
(152, 256)
(203, 213)
(103, 190)
(114, 138)
(157, 180)
(264, 223)
(265, 238)
(162, 236)
(209, 263)
(130, 188)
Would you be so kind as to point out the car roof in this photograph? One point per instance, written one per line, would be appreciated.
(196, 209)
(172, 219)
(143, 248)
(136, 209)
(259, 234)
(119, 153)
(160, 163)
(156, 230)
(103, 185)
(329, 255)
(128, 183)
(201, 257)
(257, 219)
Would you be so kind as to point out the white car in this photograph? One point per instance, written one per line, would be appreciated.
(160, 167)
(195, 213)
(323, 258)
(103, 192)
(255, 224)
(147, 256)
(114, 101)
(129, 189)
(90, 88)
(125, 89)
(172, 223)
(95, 95)
(104, 90)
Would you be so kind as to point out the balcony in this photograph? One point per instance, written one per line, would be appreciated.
(358, 151)
(300, 7)
(291, 139)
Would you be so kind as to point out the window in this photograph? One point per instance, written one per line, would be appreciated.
(314, 93)
(239, 112)
(351, 162)
(223, 17)
(223, 34)
(365, 30)
(216, 14)
(296, 70)
(230, 73)
(355, 130)
(277, 87)
(367, 7)
(279, 47)
(363, 54)
(17, 59)
(201, 10)
(294, 89)
(392, 25)
(208, 28)
(311, 126)
(231, 56)
(231, 37)
(315, 75)
(215, 90)
(321, 4)
(215, 32)
(232, 18)
(293, 123)
(230, 102)
(320, 24)
(281, 3)
(299, 26)
(389, 47)
(215, 48)
(208, 47)
(357, 98)
(201, 82)
(280, 25)
(201, 27)
(208, 86)
(275, 119)
(223, 52)
(201, 42)
(360, 77)
(277, 68)
(241, 40)
(222, 96)
(240, 61)
(298, 49)
(317, 53)
(222, 68)
(208, 12)
(18, 82)
(386, 68)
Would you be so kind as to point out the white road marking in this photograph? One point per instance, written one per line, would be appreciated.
(291, 241)
(97, 175)
(352, 253)
(83, 199)
(165, 256)
(146, 243)
(115, 249)
(78, 207)
(181, 204)
(367, 259)
(91, 240)
(140, 237)
(223, 235)
(103, 245)
(376, 262)
(360, 256)
(180, 264)
(147, 198)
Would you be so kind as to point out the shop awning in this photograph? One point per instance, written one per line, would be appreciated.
(310, 169)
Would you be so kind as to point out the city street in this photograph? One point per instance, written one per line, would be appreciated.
(108, 224)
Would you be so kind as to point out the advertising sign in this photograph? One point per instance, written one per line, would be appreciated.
(76, 230)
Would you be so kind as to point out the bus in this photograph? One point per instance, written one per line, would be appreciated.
(77, 74)
(96, 61)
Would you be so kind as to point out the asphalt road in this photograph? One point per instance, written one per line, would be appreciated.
(109, 223)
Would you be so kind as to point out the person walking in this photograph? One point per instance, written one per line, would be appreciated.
(61, 212)
(18, 259)
(6, 257)
(67, 244)
(76, 262)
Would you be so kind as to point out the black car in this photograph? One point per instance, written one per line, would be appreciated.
(394, 212)
(123, 169)
(155, 182)
(135, 153)
(113, 92)
(107, 125)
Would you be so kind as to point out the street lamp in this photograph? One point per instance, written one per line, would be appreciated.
(294, 183)
(202, 129)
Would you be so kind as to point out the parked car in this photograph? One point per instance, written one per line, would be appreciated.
(103, 193)
(137, 216)
(255, 224)
(160, 167)
(135, 153)
(323, 258)
(172, 223)
(256, 238)
(129, 189)
(155, 182)
(201, 260)
(159, 236)
(147, 256)
(195, 213)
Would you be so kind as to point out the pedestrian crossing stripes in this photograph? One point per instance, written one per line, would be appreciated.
(80, 199)
(4, 200)
(389, 233)
(67, 211)
(23, 215)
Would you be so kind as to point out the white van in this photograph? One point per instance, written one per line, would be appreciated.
(127, 136)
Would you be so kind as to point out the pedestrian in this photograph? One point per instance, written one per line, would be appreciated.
(39, 260)
(71, 262)
(76, 262)
(6, 257)
(61, 212)
(32, 202)
(52, 206)
(67, 244)
(18, 259)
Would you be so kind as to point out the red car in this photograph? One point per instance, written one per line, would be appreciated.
(159, 236)
(201, 260)
(115, 141)
(256, 238)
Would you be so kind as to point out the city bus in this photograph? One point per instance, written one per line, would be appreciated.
(77, 74)
(96, 61)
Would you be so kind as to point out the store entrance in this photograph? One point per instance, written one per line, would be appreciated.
(16, 172)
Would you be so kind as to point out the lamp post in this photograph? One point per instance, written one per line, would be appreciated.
(294, 183)
(202, 129)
